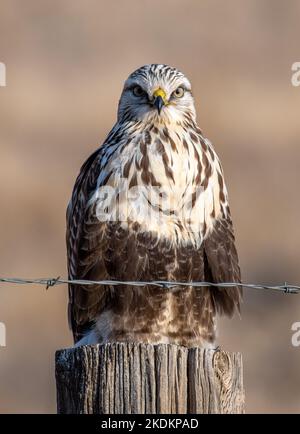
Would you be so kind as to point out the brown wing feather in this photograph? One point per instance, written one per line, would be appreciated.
(83, 238)
(221, 265)
(97, 251)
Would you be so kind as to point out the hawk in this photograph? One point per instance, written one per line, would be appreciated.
(151, 204)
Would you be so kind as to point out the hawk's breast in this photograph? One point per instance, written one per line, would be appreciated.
(168, 181)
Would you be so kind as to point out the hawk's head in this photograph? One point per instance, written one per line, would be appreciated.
(156, 93)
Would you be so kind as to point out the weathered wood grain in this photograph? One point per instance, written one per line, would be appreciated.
(130, 378)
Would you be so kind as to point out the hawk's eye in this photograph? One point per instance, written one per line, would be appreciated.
(137, 91)
(179, 92)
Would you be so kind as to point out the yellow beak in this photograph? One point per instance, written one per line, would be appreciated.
(160, 92)
(160, 99)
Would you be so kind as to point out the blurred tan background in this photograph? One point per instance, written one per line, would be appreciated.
(66, 62)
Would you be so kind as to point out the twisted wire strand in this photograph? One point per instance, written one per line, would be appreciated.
(172, 286)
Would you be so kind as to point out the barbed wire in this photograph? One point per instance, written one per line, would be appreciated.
(172, 286)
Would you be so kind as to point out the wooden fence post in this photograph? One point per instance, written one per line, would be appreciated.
(130, 378)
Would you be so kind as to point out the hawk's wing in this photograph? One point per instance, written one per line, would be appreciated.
(82, 246)
(97, 250)
(222, 265)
